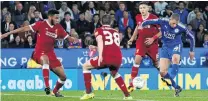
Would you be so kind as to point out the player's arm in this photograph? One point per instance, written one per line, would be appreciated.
(192, 43)
(19, 30)
(133, 37)
(151, 22)
(99, 40)
(149, 41)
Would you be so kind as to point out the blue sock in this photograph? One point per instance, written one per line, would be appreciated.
(174, 70)
(167, 76)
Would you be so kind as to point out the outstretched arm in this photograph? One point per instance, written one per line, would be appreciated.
(151, 22)
(19, 30)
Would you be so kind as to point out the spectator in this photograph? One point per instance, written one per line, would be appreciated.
(107, 8)
(159, 6)
(119, 13)
(128, 34)
(88, 40)
(151, 9)
(75, 11)
(192, 15)
(205, 44)
(200, 36)
(60, 43)
(31, 11)
(135, 11)
(19, 15)
(114, 22)
(11, 37)
(4, 13)
(73, 44)
(96, 23)
(167, 12)
(173, 5)
(17, 43)
(48, 5)
(29, 43)
(5, 24)
(183, 12)
(65, 9)
(90, 12)
(67, 23)
(125, 21)
(206, 16)
(37, 17)
(197, 21)
(82, 25)
(122, 42)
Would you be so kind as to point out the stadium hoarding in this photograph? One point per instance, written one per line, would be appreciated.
(74, 58)
(32, 80)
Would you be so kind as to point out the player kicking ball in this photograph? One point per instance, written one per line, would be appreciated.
(172, 46)
(147, 42)
(109, 56)
(48, 31)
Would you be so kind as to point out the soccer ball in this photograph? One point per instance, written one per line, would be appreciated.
(138, 82)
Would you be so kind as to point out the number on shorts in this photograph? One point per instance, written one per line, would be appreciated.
(177, 48)
(111, 38)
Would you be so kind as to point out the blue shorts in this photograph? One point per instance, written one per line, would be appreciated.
(168, 51)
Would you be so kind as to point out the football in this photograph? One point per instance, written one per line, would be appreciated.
(138, 82)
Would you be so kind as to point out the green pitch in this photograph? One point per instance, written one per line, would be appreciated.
(188, 95)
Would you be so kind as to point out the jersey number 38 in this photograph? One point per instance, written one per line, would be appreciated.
(111, 38)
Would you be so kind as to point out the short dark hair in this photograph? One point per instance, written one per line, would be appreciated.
(95, 15)
(182, 2)
(106, 20)
(144, 3)
(67, 13)
(52, 12)
(122, 3)
(36, 11)
(175, 16)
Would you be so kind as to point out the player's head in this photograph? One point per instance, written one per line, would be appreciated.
(106, 20)
(174, 20)
(143, 8)
(53, 16)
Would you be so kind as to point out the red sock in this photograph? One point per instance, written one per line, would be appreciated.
(46, 74)
(121, 84)
(134, 73)
(87, 79)
(59, 84)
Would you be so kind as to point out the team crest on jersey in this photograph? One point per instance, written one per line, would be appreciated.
(176, 30)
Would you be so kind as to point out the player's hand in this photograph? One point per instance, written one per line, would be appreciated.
(130, 41)
(191, 55)
(149, 41)
(100, 59)
(91, 47)
(140, 27)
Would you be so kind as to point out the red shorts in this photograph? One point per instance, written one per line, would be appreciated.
(53, 61)
(108, 62)
(152, 50)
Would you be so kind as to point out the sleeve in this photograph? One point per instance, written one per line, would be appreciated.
(192, 39)
(62, 33)
(97, 32)
(152, 22)
(35, 26)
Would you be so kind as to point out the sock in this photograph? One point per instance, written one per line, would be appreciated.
(174, 70)
(167, 76)
(45, 72)
(134, 73)
(59, 84)
(87, 79)
(121, 84)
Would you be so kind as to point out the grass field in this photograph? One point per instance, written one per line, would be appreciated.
(155, 95)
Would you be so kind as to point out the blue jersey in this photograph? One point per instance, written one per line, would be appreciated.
(171, 36)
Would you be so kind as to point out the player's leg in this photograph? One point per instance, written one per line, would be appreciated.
(45, 71)
(59, 71)
(119, 80)
(90, 64)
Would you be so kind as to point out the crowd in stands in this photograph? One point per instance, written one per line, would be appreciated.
(81, 18)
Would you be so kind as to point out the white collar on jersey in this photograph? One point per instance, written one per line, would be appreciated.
(106, 25)
(49, 24)
(146, 17)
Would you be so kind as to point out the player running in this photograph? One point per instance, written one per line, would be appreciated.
(147, 42)
(172, 31)
(109, 56)
(48, 31)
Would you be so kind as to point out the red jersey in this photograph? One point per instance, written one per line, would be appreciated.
(47, 35)
(111, 41)
(147, 32)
